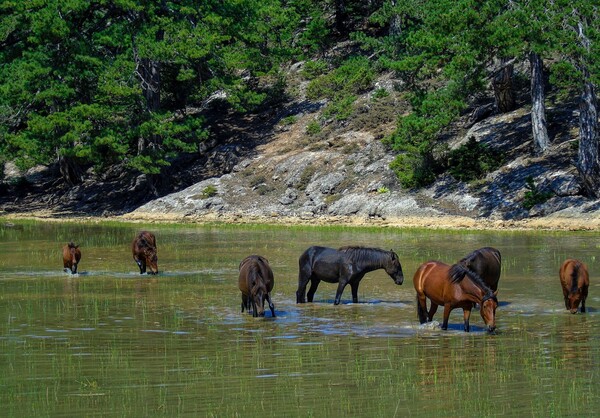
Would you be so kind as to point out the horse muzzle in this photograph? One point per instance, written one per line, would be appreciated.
(573, 311)
(491, 329)
(399, 280)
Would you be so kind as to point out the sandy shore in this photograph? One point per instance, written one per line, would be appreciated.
(436, 222)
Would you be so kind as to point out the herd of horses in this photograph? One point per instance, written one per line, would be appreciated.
(471, 281)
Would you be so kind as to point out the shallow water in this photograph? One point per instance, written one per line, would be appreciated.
(109, 341)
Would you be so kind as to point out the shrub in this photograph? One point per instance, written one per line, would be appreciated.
(313, 128)
(313, 69)
(534, 196)
(472, 161)
(209, 191)
(413, 169)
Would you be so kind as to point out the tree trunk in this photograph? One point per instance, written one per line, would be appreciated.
(395, 22)
(70, 171)
(538, 107)
(588, 163)
(341, 17)
(503, 86)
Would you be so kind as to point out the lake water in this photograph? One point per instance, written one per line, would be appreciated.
(109, 341)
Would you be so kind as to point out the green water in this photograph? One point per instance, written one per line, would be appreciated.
(109, 342)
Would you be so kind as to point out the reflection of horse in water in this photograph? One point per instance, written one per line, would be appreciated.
(143, 248)
(71, 257)
(575, 280)
(346, 265)
(485, 262)
(432, 280)
(255, 282)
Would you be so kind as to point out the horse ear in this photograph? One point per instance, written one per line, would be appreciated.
(496, 293)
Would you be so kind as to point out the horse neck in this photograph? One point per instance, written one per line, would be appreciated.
(474, 291)
(376, 262)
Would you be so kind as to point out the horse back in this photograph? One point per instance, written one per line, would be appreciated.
(255, 267)
(144, 240)
(432, 278)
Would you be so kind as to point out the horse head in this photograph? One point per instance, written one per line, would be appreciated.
(573, 300)
(489, 303)
(71, 256)
(394, 269)
(151, 259)
(258, 294)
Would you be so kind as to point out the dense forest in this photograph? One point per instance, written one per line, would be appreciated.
(98, 83)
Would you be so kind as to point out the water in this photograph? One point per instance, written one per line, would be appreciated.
(109, 341)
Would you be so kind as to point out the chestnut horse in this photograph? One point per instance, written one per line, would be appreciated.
(485, 262)
(575, 280)
(71, 257)
(255, 282)
(346, 265)
(432, 280)
(143, 248)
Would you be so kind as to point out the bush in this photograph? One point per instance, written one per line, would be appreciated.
(353, 76)
(414, 170)
(313, 128)
(472, 161)
(534, 196)
(209, 191)
(313, 69)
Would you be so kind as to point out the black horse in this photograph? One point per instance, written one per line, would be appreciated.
(344, 265)
(485, 262)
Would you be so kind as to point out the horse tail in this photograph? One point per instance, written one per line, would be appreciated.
(575, 276)
(421, 313)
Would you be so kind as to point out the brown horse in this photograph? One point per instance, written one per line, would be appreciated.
(143, 248)
(575, 280)
(432, 280)
(71, 257)
(256, 281)
(485, 262)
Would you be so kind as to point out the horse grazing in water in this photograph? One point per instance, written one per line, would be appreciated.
(485, 262)
(71, 257)
(256, 282)
(346, 265)
(432, 280)
(143, 248)
(575, 281)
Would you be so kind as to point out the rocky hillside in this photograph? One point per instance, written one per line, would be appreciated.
(276, 164)
(343, 171)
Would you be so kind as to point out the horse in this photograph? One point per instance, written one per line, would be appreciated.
(432, 280)
(143, 248)
(575, 280)
(485, 262)
(346, 265)
(256, 282)
(71, 257)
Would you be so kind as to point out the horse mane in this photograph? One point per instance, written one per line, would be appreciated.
(359, 253)
(458, 272)
(71, 245)
(575, 276)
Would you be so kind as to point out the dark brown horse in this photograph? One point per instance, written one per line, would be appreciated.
(143, 248)
(485, 262)
(346, 265)
(432, 280)
(256, 282)
(71, 257)
(575, 280)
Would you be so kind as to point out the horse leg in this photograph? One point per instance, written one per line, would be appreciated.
(466, 316)
(245, 302)
(354, 287)
(422, 308)
(254, 309)
(314, 283)
(447, 309)
(271, 306)
(303, 278)
(583, 304)
(338, 294)
(432, 311)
